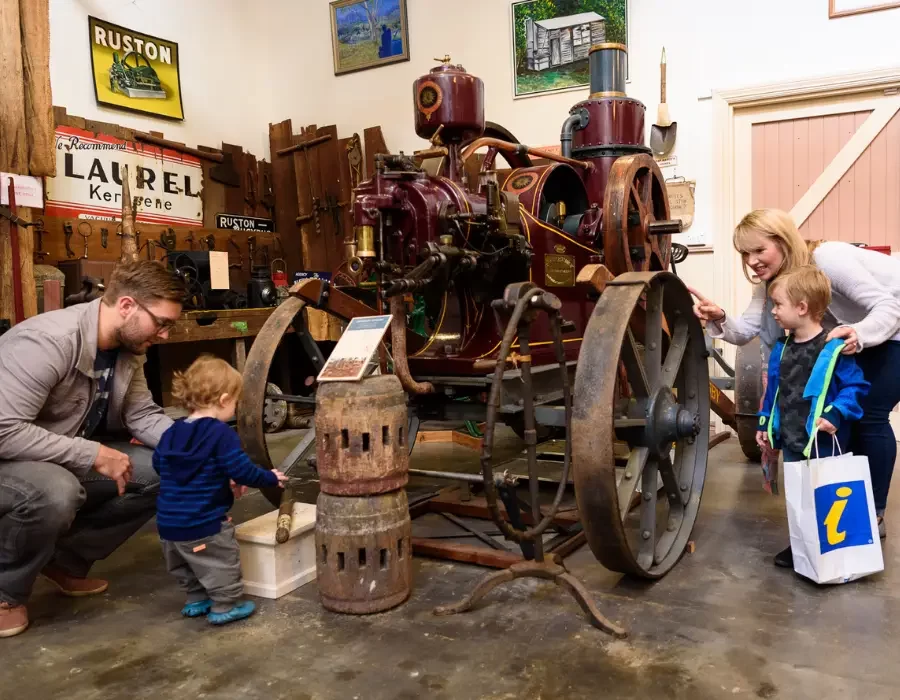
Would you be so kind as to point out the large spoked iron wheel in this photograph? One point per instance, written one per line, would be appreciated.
(252, 418)
(638, 516)
(750, 367)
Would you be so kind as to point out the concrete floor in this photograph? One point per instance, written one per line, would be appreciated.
(723, 623)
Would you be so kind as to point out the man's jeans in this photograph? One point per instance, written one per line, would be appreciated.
(48, 516)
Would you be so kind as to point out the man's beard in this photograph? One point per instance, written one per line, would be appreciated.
(131, 338)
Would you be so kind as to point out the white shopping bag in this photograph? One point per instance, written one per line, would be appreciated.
(831, 516)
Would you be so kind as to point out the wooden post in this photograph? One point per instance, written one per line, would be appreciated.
(13, 147)
(129, 242)
(40, 132)
(26, 261)
(284, 186)
(7, 307)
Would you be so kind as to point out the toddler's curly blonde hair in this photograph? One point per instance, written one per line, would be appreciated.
(201, 385)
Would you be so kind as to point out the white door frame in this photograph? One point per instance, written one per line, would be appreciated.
(725, 103)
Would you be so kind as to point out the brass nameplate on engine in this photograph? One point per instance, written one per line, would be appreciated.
(559, 270)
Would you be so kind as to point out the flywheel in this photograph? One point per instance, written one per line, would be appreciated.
(635, 199)
(640, 436)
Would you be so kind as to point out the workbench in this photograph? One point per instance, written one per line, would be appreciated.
(224, 333)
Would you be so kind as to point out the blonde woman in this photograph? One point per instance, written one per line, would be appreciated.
(864, 312)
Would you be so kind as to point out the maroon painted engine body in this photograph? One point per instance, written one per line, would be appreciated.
(453, 243)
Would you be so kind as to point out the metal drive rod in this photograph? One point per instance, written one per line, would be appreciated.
(452, 476)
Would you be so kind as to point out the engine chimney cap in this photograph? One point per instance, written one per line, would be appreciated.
(608, 45)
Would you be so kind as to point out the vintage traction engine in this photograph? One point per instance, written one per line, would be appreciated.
(538, 295)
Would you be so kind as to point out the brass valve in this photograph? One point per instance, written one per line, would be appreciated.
(445, 60)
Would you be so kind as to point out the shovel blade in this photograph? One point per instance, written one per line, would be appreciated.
(662, 139)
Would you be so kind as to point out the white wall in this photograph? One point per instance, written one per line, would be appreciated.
(219, 63)
(711, 44)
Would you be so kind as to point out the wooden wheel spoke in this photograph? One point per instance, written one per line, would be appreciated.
(653, 336)
(647, 547)
(631, 477)
(638, 198)
(675, 355)
(647, 194)
(634, 368)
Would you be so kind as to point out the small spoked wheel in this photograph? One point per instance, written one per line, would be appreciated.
(640, 426)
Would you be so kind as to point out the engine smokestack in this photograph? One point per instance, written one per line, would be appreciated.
(609, 66)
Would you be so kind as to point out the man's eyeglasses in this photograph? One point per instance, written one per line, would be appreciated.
(163, 324)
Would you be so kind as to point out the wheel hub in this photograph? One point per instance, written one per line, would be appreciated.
(668, 421)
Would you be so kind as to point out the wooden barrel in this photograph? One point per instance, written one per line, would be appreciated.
(363, 552)
(361, 440)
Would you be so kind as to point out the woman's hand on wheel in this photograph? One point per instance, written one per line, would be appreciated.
(848, 334)
(706, 310)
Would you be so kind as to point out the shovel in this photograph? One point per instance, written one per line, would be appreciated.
(662, 134)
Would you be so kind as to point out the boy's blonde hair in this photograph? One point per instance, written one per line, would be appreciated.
(201, 385)
(778, 226)
(809, 284)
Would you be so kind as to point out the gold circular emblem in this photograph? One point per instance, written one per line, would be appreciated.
(429, 98)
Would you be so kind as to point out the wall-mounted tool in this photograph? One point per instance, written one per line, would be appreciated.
(189, 239)
(104, 237)
(662, 134)
(67, 229)
(40, 253)
(240, 263)
(354, 155)
(168, 240)
(85, 230)
(251, 250)
(210, 241)
(268, 195)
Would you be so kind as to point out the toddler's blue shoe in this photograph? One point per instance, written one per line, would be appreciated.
(243, 609)
(198, 608)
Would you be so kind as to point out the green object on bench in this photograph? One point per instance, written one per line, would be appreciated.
(240, 326)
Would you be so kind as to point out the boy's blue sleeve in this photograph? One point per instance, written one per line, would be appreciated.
(851, 389)
(771, 387)
(238, 466)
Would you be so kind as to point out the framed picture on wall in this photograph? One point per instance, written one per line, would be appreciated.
(845, 8)
(551, 40)
(368, 33)
(135, 71)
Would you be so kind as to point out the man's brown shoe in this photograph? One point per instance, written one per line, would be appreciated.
(72, 586)
(13, 619)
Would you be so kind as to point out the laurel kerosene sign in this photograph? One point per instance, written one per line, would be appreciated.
(165, 185)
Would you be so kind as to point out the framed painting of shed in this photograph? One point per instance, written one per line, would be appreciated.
(845, 8)
(551, 40)
(368, 33)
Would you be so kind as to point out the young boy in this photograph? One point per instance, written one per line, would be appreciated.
(197, 458)
(812, 386)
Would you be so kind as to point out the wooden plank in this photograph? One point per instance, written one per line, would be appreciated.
(346, 188)
(53, 300)
(373, 141)
(239, 356)
(892, 183)
(251, 184)
(222, 328)
(234, 196)
(213, 193)
(284, 187)
(40, 137)
(847, 156)
(7, 306)
(770, 198)
(330, 174)
(831, 146)
(13, 139)
(265, 206)
(816, 165)
(862, 172)
(26, 261)
(465, 553)
(880, 196)
(785, 165)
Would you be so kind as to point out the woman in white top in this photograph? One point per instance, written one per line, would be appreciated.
(864, 311)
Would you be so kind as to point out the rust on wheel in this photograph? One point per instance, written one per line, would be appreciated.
(638, 516)
(251, 410)
(635, 200)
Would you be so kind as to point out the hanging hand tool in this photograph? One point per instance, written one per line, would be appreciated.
(67, 228)
(168, 240)
(104, 237)
(662, 134)
(240, 263)
(18, 302)
(251, 250)
(268, 196)
(189, 239)
(40, 253)
(250, 197)
(85, 233)
(354, 155)
(210, 241)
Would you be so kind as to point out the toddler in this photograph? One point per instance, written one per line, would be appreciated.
(812, 386)
(197, 459)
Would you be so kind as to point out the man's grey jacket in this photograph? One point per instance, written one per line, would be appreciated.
(47, 385)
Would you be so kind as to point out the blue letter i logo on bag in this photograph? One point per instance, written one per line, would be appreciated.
(843, 516)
